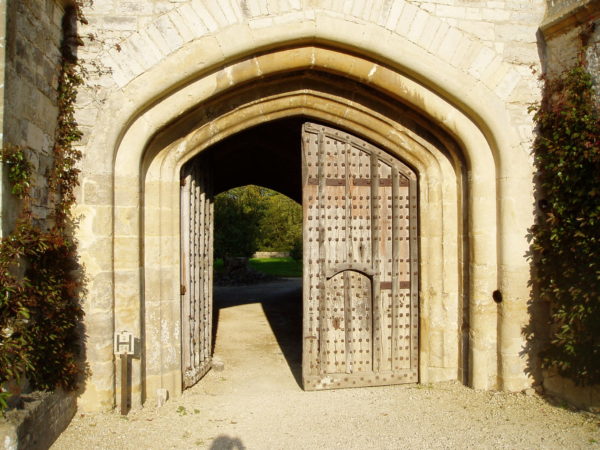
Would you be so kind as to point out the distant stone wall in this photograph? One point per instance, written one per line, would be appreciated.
(29, 106)
(271, 255)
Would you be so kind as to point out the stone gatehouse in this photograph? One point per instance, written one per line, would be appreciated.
(217, 92)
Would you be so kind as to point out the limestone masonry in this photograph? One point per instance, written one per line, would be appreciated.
(442, 85)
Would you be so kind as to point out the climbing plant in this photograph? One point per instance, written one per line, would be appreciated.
(40, 285)
(18, 170)
(566, 237)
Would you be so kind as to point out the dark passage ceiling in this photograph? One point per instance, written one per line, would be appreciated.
(267, 155)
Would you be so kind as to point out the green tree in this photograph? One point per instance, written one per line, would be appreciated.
(237, 216)
(281, 225)
(251, 218)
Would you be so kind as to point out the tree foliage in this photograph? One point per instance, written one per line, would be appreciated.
(280, 226)
(566, 237)
(237, 217)
(253, 218)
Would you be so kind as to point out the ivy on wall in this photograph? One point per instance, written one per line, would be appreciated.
(566, 237)
(40, 284)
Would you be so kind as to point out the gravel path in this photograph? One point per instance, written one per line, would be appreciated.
(257, 403)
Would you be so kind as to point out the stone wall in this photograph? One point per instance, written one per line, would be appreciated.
(463, 65)
(31, 34)
(5, 200)
(566, 29)
(508, 26)
(29, 107)
(37, 425)
(271, 255)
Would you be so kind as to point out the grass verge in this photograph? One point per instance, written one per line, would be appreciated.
(278, 267)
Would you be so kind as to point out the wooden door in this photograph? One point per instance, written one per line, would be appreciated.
(197, 213)
(360, 322)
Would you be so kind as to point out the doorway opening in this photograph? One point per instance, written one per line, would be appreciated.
(401, 123)
(257, 317)
(360, 252)
(258, 331)
(247, 158)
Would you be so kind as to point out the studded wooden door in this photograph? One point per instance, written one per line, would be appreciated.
(360, 325)
(197, 214)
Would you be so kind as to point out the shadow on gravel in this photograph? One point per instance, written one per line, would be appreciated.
(281, 301)
(227, 443)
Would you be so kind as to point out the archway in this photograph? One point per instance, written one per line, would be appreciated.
(457, 216)
(429, 149)
(265, 154)
(360, 251)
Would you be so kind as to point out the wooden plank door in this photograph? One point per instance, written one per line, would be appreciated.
(197, 215)
(360, 322)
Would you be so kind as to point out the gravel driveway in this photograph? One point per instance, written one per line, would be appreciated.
(256, 401)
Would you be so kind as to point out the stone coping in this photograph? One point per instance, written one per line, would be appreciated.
(563, 16)
(271, 255)
(39, 422)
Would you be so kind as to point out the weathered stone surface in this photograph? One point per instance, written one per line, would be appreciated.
(168, 79)
(583, 397)
(41, 420)
(30, 57)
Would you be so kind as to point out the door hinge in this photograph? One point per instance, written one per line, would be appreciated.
(182, 290)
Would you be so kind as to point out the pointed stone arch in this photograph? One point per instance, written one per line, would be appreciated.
(464, 99)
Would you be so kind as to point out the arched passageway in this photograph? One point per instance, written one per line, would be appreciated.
(361, 263)
(429, 149)
(456, 162)
(258, 331)
(268, 152)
